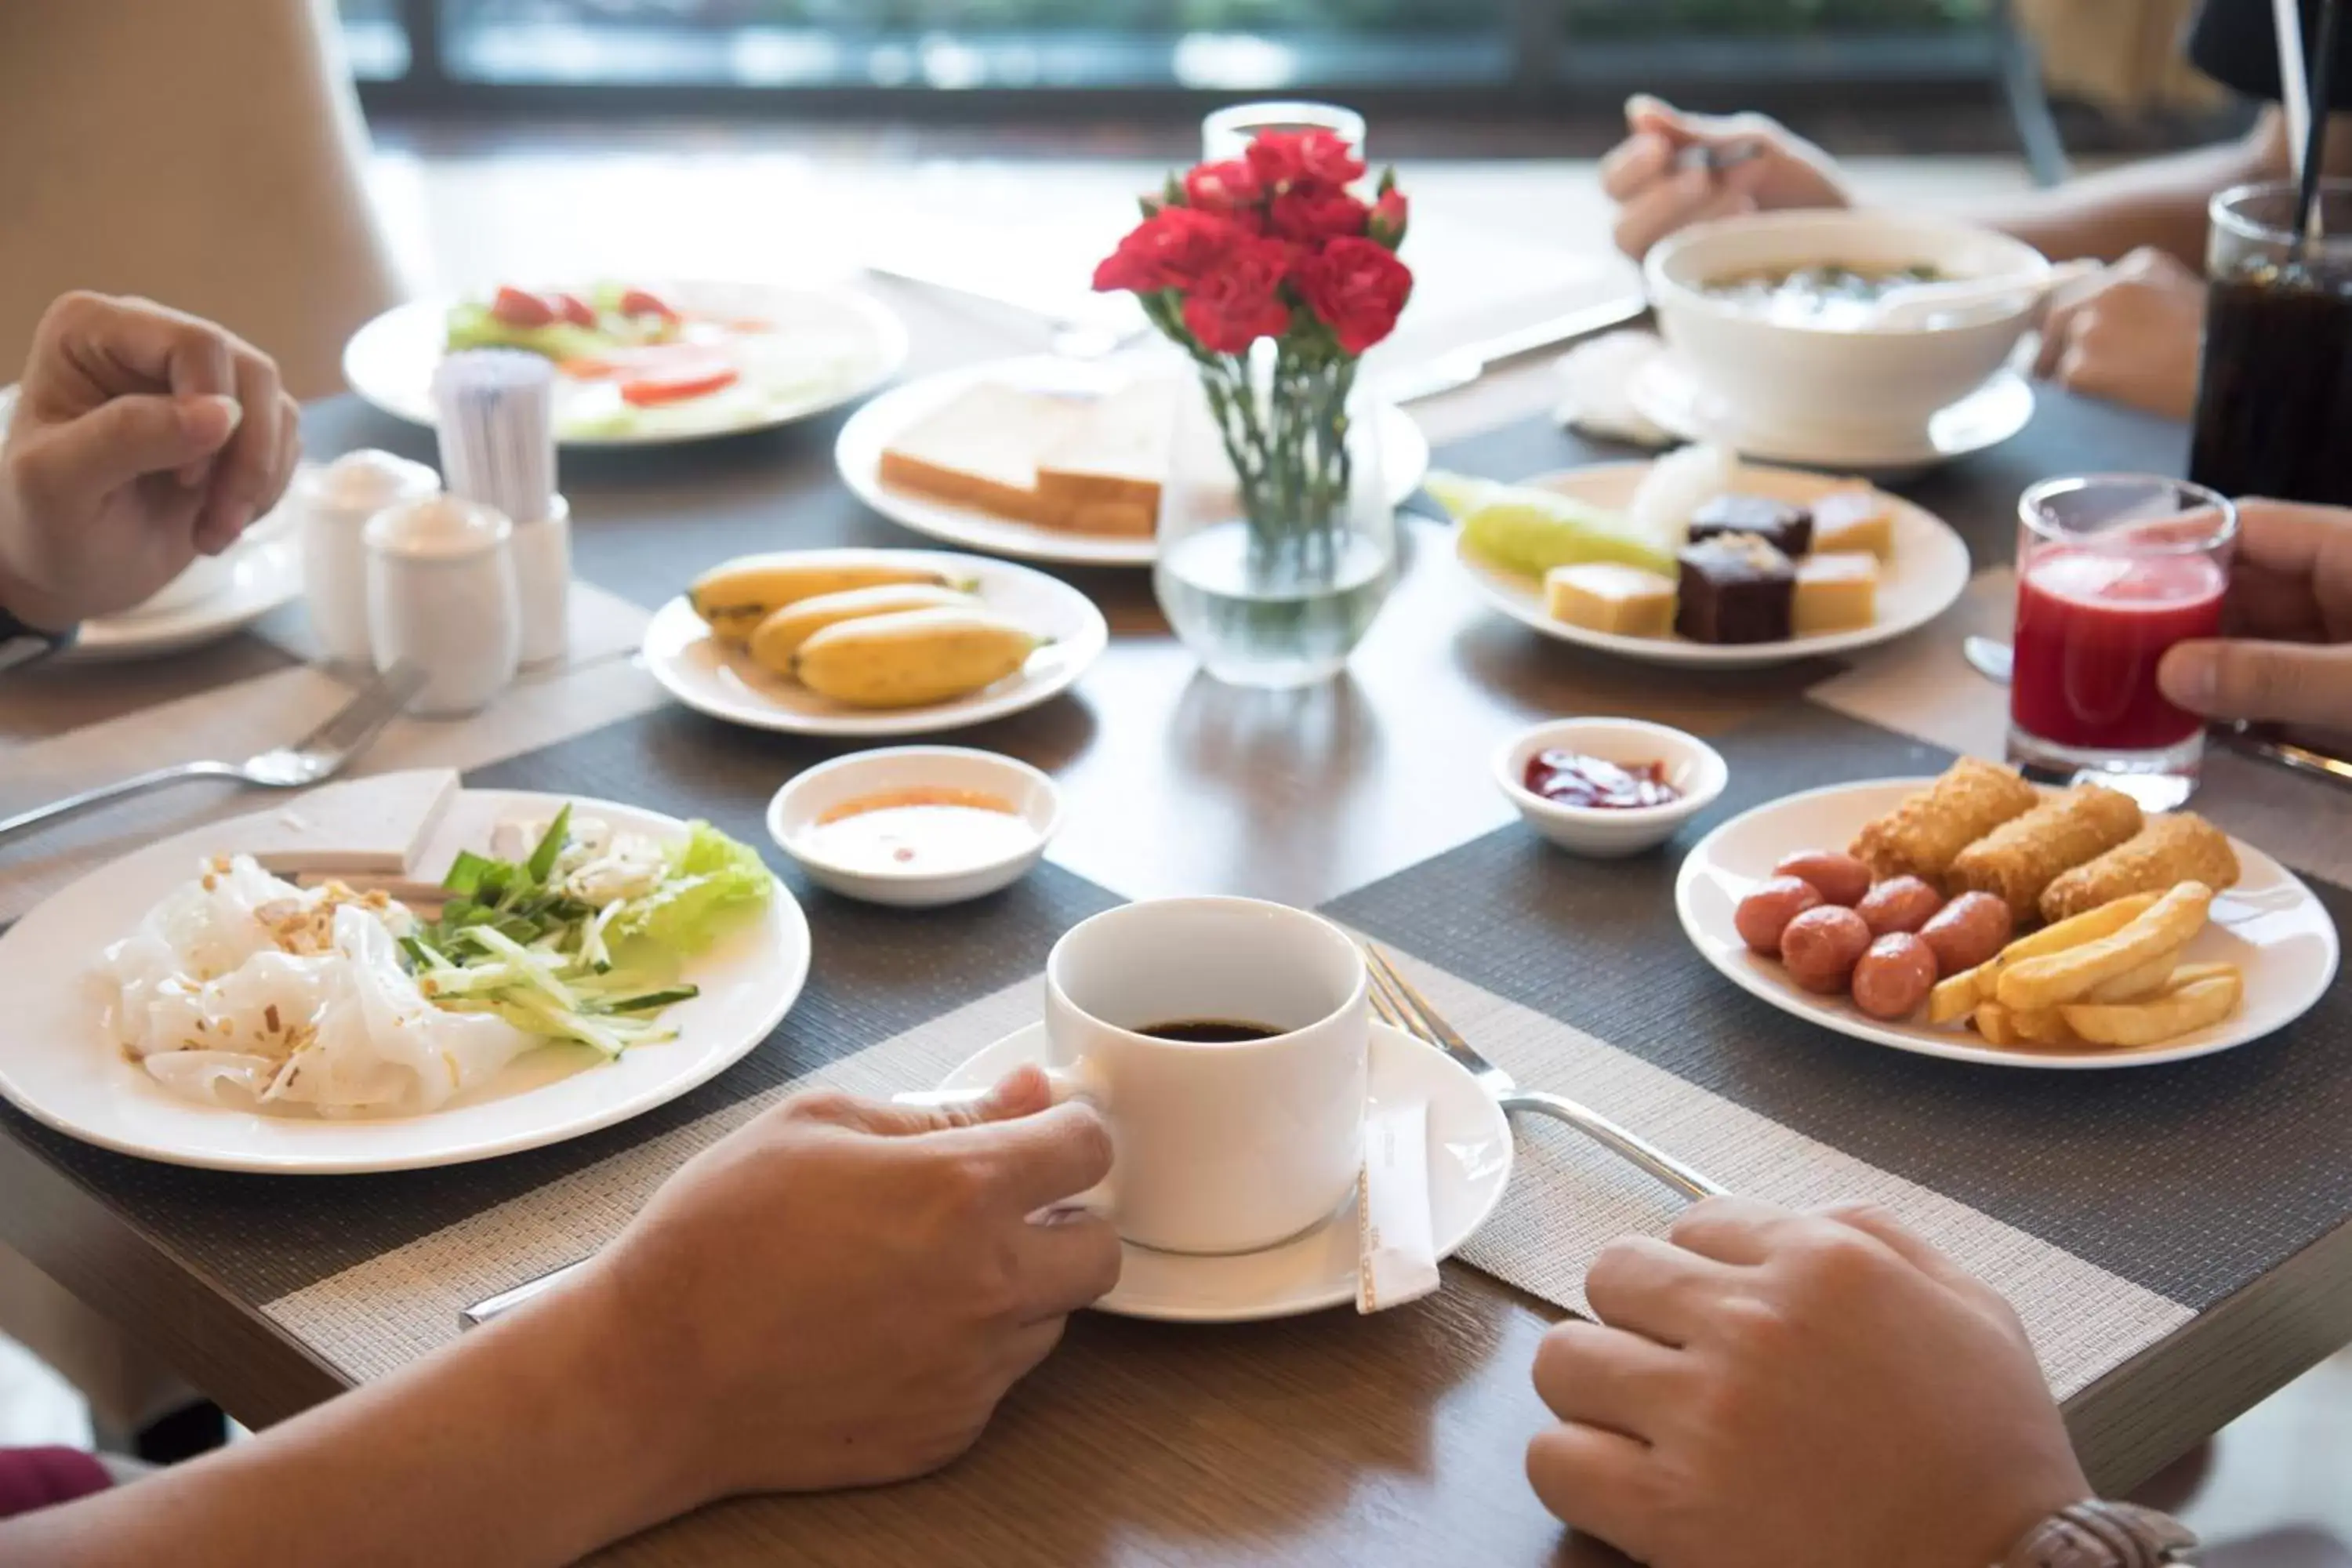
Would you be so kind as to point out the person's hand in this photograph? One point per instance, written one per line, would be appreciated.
(2288, 655)
(1781, 1389)
(839, 1293)
(1655, 195)
(141, 436)
(2129, 333)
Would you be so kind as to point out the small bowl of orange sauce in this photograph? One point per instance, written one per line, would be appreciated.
(917, 826)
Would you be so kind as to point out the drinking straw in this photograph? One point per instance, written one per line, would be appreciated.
(2286, 26)
(2314, 141)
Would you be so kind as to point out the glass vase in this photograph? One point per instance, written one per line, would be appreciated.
(1278, 542)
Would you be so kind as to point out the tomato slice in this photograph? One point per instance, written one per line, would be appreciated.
(514, 307)
(640, 302)
(572, 309)
(678, 383)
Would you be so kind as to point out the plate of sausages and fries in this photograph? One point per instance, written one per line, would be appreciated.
(1979, 917)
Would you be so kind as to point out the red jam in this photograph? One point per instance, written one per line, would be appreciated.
(1570, 778)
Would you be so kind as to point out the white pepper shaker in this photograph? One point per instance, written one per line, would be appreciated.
(333, 504)
(542, 558)
(442, 595)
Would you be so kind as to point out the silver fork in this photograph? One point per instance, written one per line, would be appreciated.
(314, 759)
(1396, 1000)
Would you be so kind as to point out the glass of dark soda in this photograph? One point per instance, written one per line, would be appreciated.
(2275, 390)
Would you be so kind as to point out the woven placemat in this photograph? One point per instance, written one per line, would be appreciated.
(2190, 1179)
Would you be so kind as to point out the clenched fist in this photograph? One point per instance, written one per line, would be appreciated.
(141, 438)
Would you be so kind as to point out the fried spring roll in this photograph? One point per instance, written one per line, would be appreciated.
(1920, 836)
(2179, 848)
(2023, 856)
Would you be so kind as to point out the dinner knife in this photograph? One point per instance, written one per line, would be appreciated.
(506, 1302)
(1464, 367)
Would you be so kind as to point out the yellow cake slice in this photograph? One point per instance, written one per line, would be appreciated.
(1608, 597)
(1836, 592)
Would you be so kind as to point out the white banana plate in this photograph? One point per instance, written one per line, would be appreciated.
(711, 678)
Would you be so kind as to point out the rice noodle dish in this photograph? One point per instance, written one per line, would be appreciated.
(242, 990)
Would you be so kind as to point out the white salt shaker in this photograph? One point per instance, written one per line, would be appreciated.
(442, 595)
(333, 504)
(543, 560)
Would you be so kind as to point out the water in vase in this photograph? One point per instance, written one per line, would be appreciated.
(1283, 615)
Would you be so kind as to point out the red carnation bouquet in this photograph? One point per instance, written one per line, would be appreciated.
(1273, 248)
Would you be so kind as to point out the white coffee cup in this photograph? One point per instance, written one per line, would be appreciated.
(1218, 1147)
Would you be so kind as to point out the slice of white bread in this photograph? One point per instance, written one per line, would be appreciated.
(372, 826)
(981, 449)
(1103, 475)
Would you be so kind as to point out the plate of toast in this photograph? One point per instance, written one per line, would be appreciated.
(1043, 458)
(1981, 917)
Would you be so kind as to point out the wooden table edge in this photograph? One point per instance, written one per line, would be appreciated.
(2143, 1415)
(248, 1365)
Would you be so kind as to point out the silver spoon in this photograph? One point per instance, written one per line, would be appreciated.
(1993, 658)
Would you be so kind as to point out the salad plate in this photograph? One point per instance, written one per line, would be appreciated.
(858, 454)
(1470, 1153)
(712, 676)
(64, 1066)
(1928, 570)
(794, 353)
(2269, 924)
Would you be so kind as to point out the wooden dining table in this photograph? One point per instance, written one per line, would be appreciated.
(2196, 1264)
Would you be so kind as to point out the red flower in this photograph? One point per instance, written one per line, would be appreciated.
(1357, 287)
(1241, 302)
(1388, 220)
(1310, 213)
(1173, 248)
(1285, 158)
(1229, 187)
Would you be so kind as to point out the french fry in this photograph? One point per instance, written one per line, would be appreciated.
(1956, 996)
(2088, 926)
(2055, 979)
(2153, 978)
(1992, 1021)
(2191, 974)
(2042, 1026)
(2176, 1013)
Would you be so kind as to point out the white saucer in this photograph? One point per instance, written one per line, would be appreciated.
(1470, 1164)
(859, 455)
(261, 577)
(1664, 391)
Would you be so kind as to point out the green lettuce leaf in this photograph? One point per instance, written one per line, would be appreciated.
(714, 883)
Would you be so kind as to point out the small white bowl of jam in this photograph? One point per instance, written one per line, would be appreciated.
(917, 826)
(1609, 787)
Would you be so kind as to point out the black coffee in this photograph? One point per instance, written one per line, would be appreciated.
(1208, 1032)
(2274, 395)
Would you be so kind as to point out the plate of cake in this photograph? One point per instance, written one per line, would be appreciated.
(1043, 458)
(1697, 558)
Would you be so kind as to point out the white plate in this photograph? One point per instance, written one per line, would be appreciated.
(1469, 1165)
(2269, 925)
(859, 455)
(1929, 570)
(857, 342)
(711, 678)
(1665, 392)
(58, 1067)
(261, 577)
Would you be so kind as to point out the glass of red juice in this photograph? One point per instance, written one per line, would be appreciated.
(2112, 570)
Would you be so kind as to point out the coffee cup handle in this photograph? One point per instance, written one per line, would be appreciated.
(1079, 1080)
